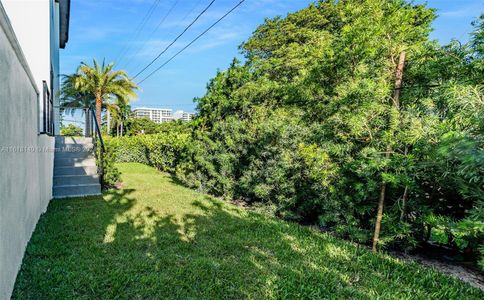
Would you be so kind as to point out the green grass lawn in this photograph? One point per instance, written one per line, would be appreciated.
(157, 239)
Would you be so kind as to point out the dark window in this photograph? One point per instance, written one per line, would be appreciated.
(47, 111)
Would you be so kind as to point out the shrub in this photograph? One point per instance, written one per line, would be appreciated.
(128, 149)
(163, 150)
(305, 125)
(71, 130)
(111, 174)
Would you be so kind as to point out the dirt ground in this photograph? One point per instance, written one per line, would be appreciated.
(456, 270)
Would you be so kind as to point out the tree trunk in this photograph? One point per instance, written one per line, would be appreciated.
(381, 202)
(396, 104)
(399, 80)
(109, 121)
(87, 128)
(99, 103)
(122, 128)
(428, 234)
(405, 193)
(404, 203)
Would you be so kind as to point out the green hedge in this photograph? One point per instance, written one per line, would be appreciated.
(163, 150)
(128, 149)
(271, 163)
(111, 174)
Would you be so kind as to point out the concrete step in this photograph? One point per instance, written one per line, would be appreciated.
(64, 140)
(73, 154)
(74, 162)
(75, 171)
(69, 170)
(75, 179)
(80, 190)
(74, 147)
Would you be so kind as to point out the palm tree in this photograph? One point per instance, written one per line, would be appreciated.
(118, 112)
(102, 83)
(72, 99)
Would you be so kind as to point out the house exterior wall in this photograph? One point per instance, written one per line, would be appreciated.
(54, 54)
(36, 25)
(26, 158)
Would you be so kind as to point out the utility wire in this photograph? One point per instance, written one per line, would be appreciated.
(169, 45)
(193, 41)
(191, 10)
(138, 30)
(154, 30)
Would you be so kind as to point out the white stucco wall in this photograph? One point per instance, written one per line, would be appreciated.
(54, 50)
(26, 164)
(36, 25)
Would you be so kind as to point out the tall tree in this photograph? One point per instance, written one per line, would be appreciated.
(396, 106)
(73, 99)
(103, 83)
(119, 111)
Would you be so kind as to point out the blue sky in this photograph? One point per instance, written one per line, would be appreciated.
(106, 28)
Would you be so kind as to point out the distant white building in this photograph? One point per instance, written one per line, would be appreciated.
(183, 115)
(157, 115)
(160, 115)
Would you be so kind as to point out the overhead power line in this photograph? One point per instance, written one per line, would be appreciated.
(154, 30)
(193, 41)
(138, 30)
(174, 41)
(191, 10)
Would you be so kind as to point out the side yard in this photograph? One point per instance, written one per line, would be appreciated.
(154, 238)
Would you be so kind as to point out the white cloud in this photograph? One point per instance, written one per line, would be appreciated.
(217, 38)
(468, 11)
(95, 33)
(151, 48)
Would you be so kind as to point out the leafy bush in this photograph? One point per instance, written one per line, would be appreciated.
(309, 126)
(71, 130)
(111, 174)
(163, 151)
(128, 149)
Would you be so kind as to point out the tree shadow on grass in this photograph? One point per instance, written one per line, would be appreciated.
(116, 248)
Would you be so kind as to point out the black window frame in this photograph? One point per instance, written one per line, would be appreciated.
(47, 110)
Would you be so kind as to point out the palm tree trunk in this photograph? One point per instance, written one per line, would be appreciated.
(99, 103)
(87, 116)
(109, 121)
